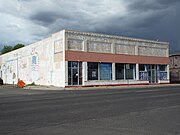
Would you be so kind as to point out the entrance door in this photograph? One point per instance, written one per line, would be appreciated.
(74, 73)
(75, 76)
(153, 76)
(152, 72)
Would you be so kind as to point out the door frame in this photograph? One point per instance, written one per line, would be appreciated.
(72, 75)
(152, 74)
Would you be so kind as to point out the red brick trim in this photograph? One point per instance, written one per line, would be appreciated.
(113, 58)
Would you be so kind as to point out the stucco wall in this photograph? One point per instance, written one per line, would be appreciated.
(175, 68)
(40, 62)
(115, 44)
(44, 63)
(174, 61)
(93, 47)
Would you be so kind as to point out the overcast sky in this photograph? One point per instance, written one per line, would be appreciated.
(27, 21)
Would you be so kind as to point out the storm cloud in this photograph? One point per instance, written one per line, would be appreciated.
(27, 21)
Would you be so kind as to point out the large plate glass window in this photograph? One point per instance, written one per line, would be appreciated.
(119, 71)
(130, 71)
(105, 71)
(163, 72)
(143, 73)
(92, 71)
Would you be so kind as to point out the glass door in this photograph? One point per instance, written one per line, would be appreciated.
(74, 73)
(75, 76)
(152, 73)
(153, 76)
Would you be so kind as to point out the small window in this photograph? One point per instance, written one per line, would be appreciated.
(33, 59)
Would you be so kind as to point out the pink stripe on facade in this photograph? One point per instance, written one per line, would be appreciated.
(113, 58)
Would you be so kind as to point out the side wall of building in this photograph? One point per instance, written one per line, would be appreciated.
(41, 62)
(175, 68)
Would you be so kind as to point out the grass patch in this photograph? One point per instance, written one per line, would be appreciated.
(31, 84)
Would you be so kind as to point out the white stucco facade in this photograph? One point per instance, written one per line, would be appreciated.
(36, 63)
(46, 62)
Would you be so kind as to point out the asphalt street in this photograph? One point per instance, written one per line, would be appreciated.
(127, 111)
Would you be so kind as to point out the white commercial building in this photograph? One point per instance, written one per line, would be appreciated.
(73, 58)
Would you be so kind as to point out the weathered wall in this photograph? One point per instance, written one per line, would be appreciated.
(93, 47)
(41, 62)
(74, 44)
(58, 74)
(175, 68)
(114, 44)
(44, 62)
(125, 49)
(174, 61)
(97, 46)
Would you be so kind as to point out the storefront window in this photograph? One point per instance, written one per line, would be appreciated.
(143, 74)
(119, 71)
(105, 71)
(162, 72)
(129, 70)
(92, 71)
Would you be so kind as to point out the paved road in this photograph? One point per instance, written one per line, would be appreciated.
(138, 111)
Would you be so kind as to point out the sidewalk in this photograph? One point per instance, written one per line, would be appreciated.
(41, 87)
(37, 87)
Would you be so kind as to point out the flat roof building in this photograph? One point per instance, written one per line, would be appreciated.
(175, 67)
(74, 58)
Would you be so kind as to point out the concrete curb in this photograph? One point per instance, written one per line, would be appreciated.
(122, 87)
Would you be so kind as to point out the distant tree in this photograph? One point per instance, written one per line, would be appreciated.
(6, 49)
(18, 46)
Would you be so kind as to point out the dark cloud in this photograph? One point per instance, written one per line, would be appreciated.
(163, 23)
(168, 2)
(44, 17)
(145, 5)
(28, 0)
(155, 20)
(149, 19)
